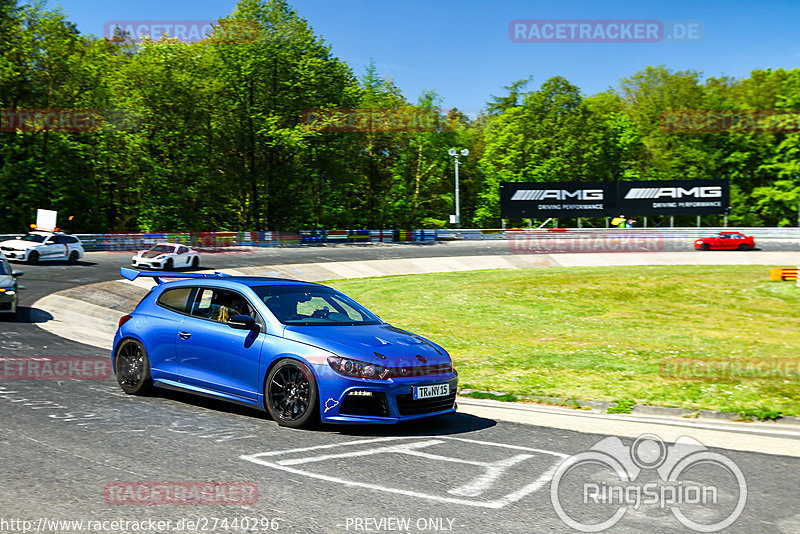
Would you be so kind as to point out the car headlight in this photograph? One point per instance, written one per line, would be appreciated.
(357, 369)
(7, 291)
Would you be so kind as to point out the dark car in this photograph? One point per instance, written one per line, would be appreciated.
(9, 289)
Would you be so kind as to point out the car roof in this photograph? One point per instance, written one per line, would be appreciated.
(170, 244)
(249, 281)
(48, 233)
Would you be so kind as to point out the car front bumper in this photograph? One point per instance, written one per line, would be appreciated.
(15, 254)
(360, 401)
(145, 262)
(8, 303)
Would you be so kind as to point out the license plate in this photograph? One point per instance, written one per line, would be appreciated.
(427, 392)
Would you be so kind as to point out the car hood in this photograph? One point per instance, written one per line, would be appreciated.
(152, 254)
(6, 280)
(18, 244)
(368, 343)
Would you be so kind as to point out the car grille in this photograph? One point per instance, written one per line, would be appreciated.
(406, 404)
(373, 405)
(419, 370)
(5, 305)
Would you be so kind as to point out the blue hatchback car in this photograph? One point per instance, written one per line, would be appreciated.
(304, 352)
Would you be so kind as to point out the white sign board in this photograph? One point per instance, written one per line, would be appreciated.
(46, 220)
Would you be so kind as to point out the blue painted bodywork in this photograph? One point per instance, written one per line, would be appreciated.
(232, 364)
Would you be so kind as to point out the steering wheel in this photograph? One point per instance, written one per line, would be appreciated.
(321, 313)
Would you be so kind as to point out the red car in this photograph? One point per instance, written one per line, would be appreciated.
(726, 241)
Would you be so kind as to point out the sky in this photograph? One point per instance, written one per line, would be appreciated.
(462, 48)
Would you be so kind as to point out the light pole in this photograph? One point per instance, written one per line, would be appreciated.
(455, 153)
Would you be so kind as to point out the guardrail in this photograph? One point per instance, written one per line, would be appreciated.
(546, 239)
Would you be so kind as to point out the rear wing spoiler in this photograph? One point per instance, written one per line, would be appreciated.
(132, 274)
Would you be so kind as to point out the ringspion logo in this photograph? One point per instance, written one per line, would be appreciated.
(593, 490)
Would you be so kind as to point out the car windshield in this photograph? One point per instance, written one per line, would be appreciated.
(4, 267)
(161, 249)
(314, 306)
(36, 238)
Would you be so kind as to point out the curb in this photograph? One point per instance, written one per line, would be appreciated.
(601, 407)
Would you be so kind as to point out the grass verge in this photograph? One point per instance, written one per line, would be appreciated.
(605, 333)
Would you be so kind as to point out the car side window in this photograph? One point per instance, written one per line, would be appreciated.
(182, 250)
(176, 299)
(220, 305)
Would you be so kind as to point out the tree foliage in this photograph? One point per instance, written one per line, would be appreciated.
(212, 135)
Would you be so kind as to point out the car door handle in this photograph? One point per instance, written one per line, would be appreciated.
(185, 335)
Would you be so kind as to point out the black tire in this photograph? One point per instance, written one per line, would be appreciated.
(743, 247)
(73, 256)
(291, 394)
(33, 257)
(168, 265)
(195, 262)
(705, 246)
(132, 368)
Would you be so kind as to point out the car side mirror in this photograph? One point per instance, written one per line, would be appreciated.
(242, 322)
(17, 274)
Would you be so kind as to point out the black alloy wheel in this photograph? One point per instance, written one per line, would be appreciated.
(132, 368)
(291, 394)
(33, 257)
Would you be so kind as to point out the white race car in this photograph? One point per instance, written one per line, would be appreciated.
(42, 246)
(166, 256)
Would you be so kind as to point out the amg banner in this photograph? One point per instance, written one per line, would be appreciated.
(673, 197)
(535, 200)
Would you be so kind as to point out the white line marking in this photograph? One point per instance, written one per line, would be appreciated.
(482, 482)
(476, 484)
(368, 452)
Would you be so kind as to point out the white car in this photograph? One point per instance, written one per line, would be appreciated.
(166, 256)
(42, 246)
